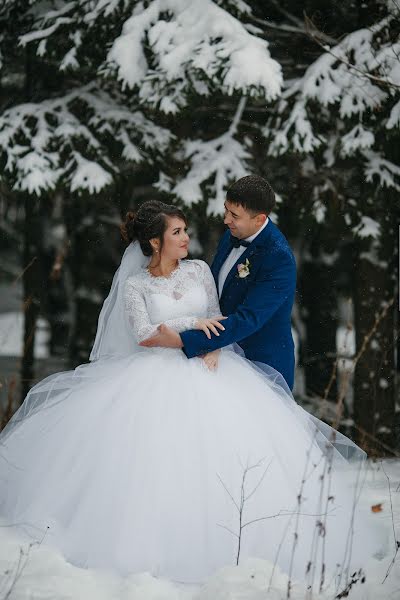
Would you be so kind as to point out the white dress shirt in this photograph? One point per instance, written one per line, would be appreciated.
(233, 256)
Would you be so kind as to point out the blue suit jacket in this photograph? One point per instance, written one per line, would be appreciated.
(258, 306)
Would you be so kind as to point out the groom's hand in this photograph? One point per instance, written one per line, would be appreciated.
(165, 338)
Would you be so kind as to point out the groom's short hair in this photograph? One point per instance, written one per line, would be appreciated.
(252, 192)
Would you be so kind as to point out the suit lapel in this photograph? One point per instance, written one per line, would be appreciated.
(256, 247)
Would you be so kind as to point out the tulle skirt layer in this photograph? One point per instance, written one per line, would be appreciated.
(153, 463)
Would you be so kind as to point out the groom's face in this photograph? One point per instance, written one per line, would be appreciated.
(241, 222)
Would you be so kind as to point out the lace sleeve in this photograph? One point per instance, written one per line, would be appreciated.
(213, 309)
(138, 316)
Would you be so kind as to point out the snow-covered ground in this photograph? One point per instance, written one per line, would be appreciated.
(41, 573)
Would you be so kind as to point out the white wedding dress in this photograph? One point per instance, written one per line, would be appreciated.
(151, 462)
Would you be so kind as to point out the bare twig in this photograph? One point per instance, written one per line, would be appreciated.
(21, 564)
(300, 29)
(21, 274)
(299, 500)
(396, 543)
(350, 534)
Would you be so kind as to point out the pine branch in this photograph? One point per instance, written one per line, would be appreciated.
(311, 28)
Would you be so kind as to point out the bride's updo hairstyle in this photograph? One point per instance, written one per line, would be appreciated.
(150, 221)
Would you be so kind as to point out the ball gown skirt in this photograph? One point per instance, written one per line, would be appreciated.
(154, 463)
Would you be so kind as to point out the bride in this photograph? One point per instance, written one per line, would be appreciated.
(144, 460)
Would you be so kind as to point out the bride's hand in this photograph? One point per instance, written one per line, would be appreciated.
(211, 359)
(212, 324)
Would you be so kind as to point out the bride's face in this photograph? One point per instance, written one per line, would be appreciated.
(176, 239)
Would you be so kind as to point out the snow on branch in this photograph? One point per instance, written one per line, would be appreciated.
(358, 138)
(65, 139)
(365, 54)
(213, 164)
(194, 41)
(296, 131)
(219, 161)
(69, 24)
(367, 228)
(238, 6)
(50, 22)
(350, 93)
(87, 174)
(386, 172)
(165, 48)
(394, 117)
(329, 81)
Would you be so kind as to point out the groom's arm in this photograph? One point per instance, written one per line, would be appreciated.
(268, 292)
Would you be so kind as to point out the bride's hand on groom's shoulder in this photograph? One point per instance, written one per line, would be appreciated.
(211, 359)
(208, 325)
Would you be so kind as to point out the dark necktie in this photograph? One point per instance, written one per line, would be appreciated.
(235, 242)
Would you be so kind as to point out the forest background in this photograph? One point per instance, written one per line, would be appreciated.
(106, 104)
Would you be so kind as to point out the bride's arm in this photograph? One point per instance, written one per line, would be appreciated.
(139, 319)
(143, 327)
(211, 358)
(214, 309)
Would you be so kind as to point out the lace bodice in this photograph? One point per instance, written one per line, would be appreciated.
(178, 300)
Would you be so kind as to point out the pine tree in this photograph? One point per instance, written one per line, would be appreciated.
(344, 113)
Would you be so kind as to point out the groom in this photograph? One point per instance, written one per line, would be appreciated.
(255, 273)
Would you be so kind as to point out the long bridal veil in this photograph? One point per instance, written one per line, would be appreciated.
(114, 334)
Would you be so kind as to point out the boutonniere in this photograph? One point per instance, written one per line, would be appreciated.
(243, 269)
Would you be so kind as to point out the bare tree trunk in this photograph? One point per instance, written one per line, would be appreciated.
(31, 269)
(319, 313)
(32, 281)
(374, 378)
